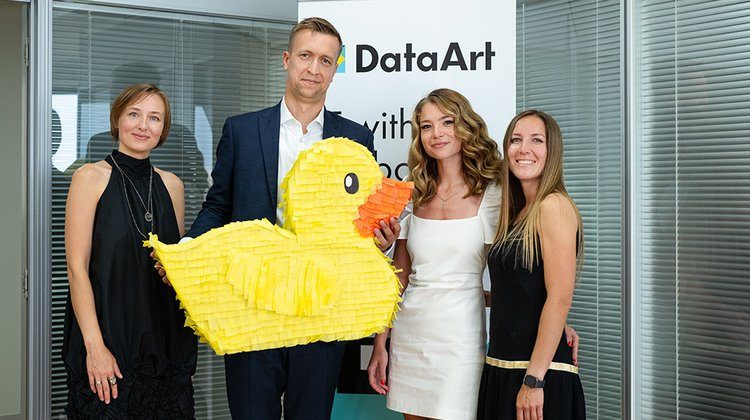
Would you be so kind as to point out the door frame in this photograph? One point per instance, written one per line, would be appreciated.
(39, 210)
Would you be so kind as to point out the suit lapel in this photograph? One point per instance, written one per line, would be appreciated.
(331, 124)
(268, 133)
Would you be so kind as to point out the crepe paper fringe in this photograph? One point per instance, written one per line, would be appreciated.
(391, 200)
(253, 285)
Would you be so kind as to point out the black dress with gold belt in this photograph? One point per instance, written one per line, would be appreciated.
(518, 297)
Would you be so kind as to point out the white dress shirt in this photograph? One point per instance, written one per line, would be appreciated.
(292, 141)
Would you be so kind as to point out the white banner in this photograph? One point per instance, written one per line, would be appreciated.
(397, 51)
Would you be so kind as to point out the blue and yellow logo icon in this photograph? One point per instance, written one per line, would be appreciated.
(342, 60)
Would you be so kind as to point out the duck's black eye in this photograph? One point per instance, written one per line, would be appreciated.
(351, 183)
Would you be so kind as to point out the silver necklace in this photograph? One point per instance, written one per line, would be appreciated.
(444, 201)
(149, 209)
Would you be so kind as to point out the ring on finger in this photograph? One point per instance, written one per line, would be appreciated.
(112, 380)
(98, 383)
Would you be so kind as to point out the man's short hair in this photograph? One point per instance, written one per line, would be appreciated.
(316, 25)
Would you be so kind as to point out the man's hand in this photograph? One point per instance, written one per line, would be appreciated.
(387, 234)
(161, 271)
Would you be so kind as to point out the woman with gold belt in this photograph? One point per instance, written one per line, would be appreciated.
(530, 371)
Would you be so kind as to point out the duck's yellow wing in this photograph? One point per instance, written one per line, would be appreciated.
(230, 277)
(289, 284)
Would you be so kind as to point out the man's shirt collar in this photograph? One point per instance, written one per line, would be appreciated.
(287, 117)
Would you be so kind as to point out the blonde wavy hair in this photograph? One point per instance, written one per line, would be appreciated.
(480, 155)
(526, 228)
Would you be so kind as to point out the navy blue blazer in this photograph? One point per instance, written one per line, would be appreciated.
(247, 165)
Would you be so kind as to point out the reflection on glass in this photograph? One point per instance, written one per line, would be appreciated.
(204, 137)
(64, 130)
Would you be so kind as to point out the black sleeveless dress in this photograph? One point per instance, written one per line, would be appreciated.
(139, 317)
(518, 296)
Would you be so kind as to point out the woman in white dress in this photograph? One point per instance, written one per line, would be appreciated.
(438, 344)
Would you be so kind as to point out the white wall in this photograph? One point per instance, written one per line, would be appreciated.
(12, 222)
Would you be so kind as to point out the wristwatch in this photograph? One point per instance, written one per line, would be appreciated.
(532, 381)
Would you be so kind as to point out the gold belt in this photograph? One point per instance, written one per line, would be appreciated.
(523, 364)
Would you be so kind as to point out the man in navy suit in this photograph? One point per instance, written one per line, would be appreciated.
(254, 154)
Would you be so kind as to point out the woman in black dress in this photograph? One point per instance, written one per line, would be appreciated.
(530, 372)
(127, 353)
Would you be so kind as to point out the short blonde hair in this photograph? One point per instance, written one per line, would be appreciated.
(315, 25)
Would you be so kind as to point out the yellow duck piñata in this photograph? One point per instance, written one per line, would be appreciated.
(253, 285)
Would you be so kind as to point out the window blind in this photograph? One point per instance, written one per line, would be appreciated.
(209, 68)
(568, 65)
(694, 159)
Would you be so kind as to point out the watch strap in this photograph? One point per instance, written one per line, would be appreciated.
(532, 381)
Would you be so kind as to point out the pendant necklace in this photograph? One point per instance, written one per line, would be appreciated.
(444, 201)
(147, 208)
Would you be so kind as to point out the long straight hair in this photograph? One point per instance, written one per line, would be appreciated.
(525, 229)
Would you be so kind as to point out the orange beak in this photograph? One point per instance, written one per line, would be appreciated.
(388, 201)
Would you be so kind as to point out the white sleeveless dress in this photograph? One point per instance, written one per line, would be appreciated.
(438, 341)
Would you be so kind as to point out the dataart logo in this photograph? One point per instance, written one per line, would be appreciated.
(451, 56)
(341, 62)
